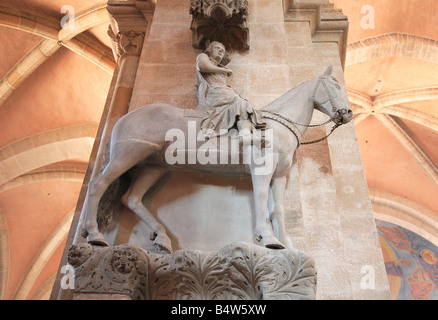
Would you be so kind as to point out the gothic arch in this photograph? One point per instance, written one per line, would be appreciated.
(72, 142)
(54, 38)
(36, 177)
(391, 103)
(392, 45)
(407, 214)
(404, 104)
(53, 242)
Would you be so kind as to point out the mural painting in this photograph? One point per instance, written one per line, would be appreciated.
(410, 261)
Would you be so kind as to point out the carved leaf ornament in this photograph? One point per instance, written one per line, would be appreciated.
(240, 271)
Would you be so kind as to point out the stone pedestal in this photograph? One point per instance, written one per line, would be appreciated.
(239, 271)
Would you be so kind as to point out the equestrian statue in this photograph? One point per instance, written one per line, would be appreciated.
(139, 143)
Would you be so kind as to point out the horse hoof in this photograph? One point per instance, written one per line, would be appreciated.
(270, 242)
(276, 246)
(163, 244)
(100, 243)
(97, 239)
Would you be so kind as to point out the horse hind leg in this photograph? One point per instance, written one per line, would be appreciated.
(143, 180)
(96, 189)
(120, 162)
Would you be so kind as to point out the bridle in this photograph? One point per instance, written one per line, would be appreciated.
(291, 125)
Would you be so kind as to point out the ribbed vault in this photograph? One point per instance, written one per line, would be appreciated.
(51, 154)
(392, 86)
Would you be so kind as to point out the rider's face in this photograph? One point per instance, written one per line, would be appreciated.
(218, 52)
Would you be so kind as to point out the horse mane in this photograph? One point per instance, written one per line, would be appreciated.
(278, 103)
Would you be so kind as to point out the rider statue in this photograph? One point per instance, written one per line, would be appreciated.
(227, 109)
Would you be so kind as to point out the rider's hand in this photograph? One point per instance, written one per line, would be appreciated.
(228, 72)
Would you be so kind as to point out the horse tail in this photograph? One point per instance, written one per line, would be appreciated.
(108, 204)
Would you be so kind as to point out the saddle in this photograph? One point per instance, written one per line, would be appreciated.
(199, 115)
(194, 113)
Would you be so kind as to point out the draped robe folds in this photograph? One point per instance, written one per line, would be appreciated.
(224, 105)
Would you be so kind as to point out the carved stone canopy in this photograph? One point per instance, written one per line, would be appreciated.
(220, 20)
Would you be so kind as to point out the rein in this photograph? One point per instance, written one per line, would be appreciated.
(291, 125)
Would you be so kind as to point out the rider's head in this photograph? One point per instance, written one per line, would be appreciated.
(217, 50)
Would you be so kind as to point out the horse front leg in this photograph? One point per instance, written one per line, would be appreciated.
(278, 187)
(261, 175)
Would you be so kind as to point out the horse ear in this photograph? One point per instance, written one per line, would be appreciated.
(328, 71)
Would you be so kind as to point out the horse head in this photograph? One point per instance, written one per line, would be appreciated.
(330, 99)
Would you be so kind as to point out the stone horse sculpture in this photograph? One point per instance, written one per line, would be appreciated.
(138, 143)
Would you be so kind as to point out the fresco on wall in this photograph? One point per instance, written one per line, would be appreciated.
(410, 261)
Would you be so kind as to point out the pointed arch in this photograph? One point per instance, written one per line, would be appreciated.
(392, 45)
(55, 240)
(72, 38)
(407, 214)
(71, 142)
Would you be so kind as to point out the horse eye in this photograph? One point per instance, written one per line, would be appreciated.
(338, 86)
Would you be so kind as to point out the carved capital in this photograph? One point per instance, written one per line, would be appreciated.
(128, 42)
(238, 271)
(129, 25)
(220, 20)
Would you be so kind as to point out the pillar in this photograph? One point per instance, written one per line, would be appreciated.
(334, 222)
(129, 26)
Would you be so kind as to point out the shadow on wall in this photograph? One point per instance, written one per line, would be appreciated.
(410, 261)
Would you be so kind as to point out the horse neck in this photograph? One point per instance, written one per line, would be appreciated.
(296, 104)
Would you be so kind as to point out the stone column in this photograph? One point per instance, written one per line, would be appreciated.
(128, 29)
(335, 224)
(129, 26)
